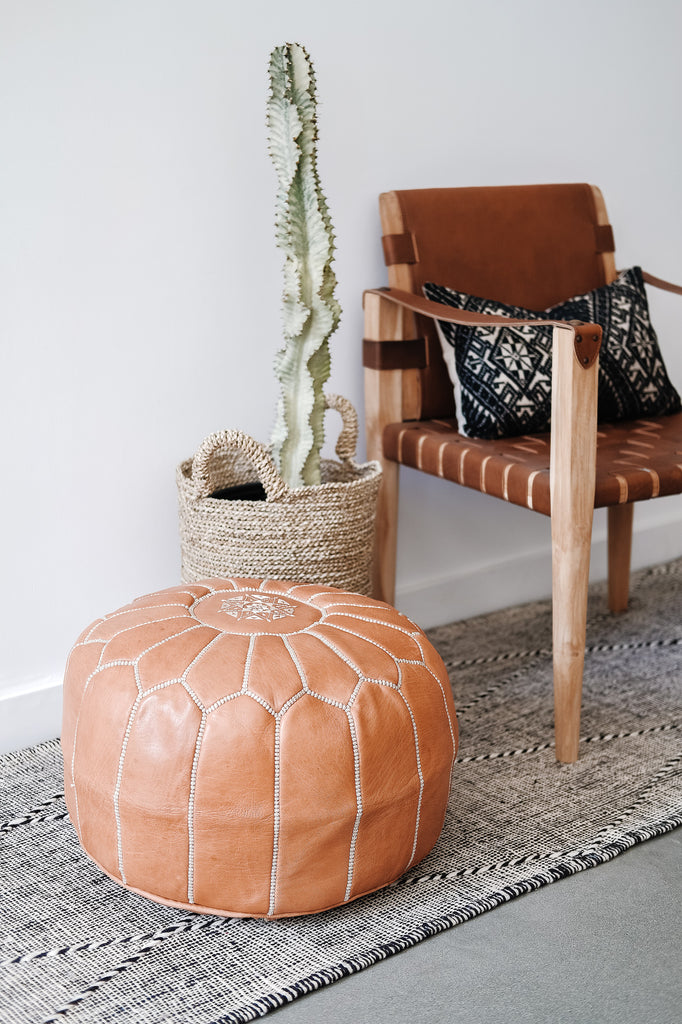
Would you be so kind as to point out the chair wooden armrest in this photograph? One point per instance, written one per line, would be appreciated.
(658, 282)
(393, 395)
(467, 318)
(573, 389)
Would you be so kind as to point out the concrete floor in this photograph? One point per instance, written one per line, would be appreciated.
(602, 947)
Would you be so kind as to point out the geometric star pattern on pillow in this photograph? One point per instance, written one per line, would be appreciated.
(502, 375)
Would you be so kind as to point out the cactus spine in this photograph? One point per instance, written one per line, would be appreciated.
(304, 232)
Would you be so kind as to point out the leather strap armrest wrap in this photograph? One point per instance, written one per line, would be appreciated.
(394, 355)
(398, 249)
(590, 334)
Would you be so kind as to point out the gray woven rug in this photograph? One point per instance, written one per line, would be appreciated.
(76, 947)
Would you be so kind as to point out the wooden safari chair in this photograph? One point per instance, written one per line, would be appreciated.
(529, 246)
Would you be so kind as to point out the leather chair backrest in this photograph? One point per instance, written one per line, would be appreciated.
(530, 245)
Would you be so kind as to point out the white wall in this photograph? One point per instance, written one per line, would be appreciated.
(140, 282)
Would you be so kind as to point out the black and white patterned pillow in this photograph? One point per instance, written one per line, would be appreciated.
(502, 375)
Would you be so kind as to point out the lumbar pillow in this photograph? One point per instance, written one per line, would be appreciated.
(502, 375)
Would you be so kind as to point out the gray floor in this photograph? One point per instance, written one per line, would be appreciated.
(602, 947)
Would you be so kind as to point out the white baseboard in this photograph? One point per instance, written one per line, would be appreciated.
(31, 711)
(489, 586)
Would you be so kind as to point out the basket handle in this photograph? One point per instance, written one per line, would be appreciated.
(256, 453)
(348, 438)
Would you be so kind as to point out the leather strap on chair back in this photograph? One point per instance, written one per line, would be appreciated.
(530, 245)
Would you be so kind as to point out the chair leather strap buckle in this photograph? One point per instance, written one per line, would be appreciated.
(586, 342)
(394, 355)
(399, 249)
(604, 238)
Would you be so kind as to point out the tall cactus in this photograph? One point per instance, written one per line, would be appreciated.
(304, 232)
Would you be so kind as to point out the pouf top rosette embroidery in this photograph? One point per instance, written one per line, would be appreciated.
(256, 747)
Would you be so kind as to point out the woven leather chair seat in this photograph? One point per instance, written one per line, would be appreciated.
(635, 460)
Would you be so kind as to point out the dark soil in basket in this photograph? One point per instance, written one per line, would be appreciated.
(242, 492)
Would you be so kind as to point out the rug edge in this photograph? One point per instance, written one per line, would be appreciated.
(354, 965)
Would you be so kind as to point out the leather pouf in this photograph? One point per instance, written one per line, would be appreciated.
(256, 748)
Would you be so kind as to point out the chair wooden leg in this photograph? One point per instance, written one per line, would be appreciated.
(390, 396)
(570, 572)
(383, 390)
(572, 475)
(386, 535)
(620, 547)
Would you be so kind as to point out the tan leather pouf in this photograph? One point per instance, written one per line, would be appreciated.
(259, 748)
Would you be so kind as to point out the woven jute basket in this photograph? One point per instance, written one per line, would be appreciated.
(315, 534)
